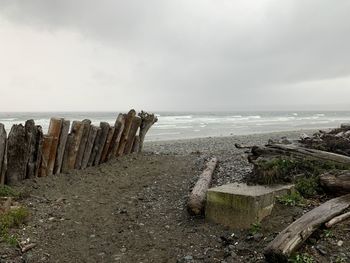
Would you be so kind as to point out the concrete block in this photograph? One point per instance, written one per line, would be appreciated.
(240, 205)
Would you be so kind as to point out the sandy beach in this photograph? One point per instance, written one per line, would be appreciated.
(133, 209)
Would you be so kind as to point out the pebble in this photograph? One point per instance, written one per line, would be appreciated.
(340, 243)
(188, 257)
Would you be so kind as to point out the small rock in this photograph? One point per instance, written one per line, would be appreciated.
(258, 237)
(340, 243)
(321, 249)
(188, 257)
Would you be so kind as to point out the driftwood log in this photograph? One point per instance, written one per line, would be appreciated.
(46, 151)
(338, 219)
(17, 154)
(61, 146)
(196, 201)
(135, 125)
(147, 120)
(124, 137)
(336, 182)
(83, 142)
(107, 144)
(118, 130)
(3, 141)
(298, 151)
(101, 142)
(55, 128)
(291, 238)
(272, 161)
(336, 140)
(89, 146)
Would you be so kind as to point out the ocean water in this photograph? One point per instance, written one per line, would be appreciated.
(183, 125)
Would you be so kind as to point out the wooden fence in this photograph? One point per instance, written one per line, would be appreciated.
(27, 153)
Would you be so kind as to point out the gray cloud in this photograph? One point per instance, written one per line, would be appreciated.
(199, 54)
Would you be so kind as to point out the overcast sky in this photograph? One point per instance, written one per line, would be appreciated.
(174, 55)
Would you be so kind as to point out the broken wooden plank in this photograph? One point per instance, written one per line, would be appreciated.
(291, 238)
(89, 146)
(196, 201)
(84, 139)
(61, 146)
(55, 128)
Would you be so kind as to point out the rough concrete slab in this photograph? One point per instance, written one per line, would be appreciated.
(241, 205)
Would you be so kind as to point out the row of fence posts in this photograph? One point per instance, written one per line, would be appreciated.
(28, 153)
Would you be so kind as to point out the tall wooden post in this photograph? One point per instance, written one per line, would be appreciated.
(61, 146)
(3, 140)
(84, 139)
(119, 127)
(17, 153)
(94, 149)
(74, 139)
(107, 144)
(55, 128)
(89, 146)
(135, 125)
(101, 142)
(46, 150)
(128, 122)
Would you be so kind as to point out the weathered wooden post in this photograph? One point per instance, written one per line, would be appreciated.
(107, 144)
(61, 146)
(39, 149)
(136, 144)
(72, 147)
(128, 122)
(101, 142)
(118, 129)
(135, 125)
(147, 121)
(3, 140)
(89, 146)
(32, 137)
(55, 128)
(17, 153)
(84, 139)
(95, 147)
(46, 150)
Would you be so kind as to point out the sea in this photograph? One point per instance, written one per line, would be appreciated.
(186, 125)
